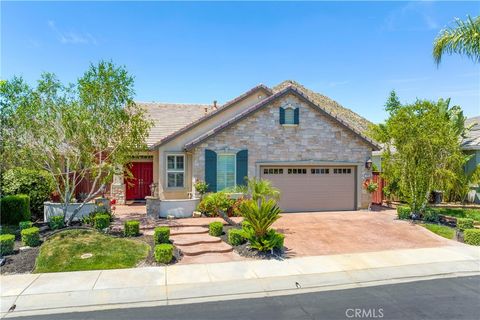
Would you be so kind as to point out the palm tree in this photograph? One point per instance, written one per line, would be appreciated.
(462, 39)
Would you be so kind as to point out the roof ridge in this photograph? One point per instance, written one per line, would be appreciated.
(173, 103)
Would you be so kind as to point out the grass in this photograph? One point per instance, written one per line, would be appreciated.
(460, 213)
(443, 231)
(62, 252)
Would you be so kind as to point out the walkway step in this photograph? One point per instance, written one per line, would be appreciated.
(205, 248)
(193, 239)
(187, 230)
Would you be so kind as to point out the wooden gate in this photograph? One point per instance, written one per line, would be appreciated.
(377, 196)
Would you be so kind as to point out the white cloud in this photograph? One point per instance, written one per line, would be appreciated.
(71, 37)
(416, 15)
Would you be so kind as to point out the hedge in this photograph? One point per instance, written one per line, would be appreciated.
(25, 225)
(37, 184)
(132, 228)
(235, 237)
(6, 244)
(472, 236)
(163, 253)
(404, 212)
(101, 221)
(215, 229)
(15, 208)
(464, 223)
(31, 236)
(161, 235)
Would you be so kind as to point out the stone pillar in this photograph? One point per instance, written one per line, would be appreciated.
(153, 207)
(117, 189)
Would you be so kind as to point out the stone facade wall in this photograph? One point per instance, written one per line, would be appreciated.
(316, 138)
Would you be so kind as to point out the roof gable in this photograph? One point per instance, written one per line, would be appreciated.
(289, 89)
(206, 116)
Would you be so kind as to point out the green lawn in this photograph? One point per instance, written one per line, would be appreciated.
(443, 231)
(62, 252)
(460, 213)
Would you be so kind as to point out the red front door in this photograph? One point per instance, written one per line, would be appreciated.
(139, 186)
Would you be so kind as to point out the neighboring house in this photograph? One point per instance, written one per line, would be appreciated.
(309, 146)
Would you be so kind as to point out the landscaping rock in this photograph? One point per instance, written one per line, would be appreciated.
(197, 214)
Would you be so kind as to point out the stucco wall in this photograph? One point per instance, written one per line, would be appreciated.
(317, 138)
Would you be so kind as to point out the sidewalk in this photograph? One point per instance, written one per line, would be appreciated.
(153, 286)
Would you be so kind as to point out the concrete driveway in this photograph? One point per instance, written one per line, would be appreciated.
(322, 233)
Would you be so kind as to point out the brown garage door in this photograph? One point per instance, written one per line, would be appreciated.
(313, 188)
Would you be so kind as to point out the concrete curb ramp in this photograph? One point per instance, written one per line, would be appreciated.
(35, 294)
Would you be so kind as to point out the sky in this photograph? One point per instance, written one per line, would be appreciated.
(191, 52)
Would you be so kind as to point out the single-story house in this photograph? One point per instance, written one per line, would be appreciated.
(310, 147)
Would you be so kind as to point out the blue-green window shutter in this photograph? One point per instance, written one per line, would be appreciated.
(211, 170)
(296, 116)
(282, 115)
(242, 167)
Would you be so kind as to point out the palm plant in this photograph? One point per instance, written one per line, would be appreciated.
(462, 39)
(260, 215)
(261, 189)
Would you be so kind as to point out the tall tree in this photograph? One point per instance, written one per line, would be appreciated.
(422, 148)
(86, 130)
(463, 39)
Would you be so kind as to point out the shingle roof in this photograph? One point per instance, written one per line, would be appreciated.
(266, 101)
(472, 141)
(171, 117)
(351, 118)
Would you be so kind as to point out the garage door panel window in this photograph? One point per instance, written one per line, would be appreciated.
(297, 171)
(273, 171)
(320, 171)
(342, 171)
(226, 171)
(175, 171)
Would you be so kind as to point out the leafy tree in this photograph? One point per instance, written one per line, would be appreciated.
(422, 148)
(86, 130)
(463, 39)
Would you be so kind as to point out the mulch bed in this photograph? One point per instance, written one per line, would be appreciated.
(245, 251)
(22, 261)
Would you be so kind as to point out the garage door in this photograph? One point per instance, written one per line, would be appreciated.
(313, 188)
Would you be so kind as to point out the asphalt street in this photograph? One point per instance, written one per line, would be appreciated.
(452, 298)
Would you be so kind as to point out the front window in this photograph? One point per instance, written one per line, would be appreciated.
(289, 116)
(175, 171)
(225, 171)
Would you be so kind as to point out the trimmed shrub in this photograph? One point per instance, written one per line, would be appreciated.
(215, 229)
(464, 224)
(235, 237)
(161, 235)
(101, 221)
(6, 244)
(25, 225)
(56, 222)
(213, 203)
(472, 236)
(279, 240)
(132, 228)
(14, 209)
(163, 253)
(404, 212)
(430, 216)
(37, 184)
(31, 236)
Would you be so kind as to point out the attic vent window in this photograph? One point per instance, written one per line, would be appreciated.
(289, 116)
